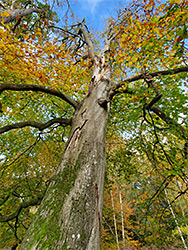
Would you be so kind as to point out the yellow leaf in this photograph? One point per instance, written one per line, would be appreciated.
(5, 14)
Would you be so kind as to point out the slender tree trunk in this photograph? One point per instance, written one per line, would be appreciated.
(182, 206)
(122, 218)
(70, 214)
(114, 216)
(174, 216)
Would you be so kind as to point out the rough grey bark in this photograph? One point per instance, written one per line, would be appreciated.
(70, 214)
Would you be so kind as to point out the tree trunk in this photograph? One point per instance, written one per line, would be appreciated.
(122, 218)
(174, 216)
(114, 216)
(70, 214)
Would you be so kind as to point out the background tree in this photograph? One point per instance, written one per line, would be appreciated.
(140, 72)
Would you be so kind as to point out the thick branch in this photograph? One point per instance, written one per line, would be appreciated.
(154, 74)
(40, 126)
(13, 14)
(88, 41)
(158, 96)
(153, 101)
(38, 88)
(25, 204)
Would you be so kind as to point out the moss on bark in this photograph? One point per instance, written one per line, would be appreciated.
(68, 217)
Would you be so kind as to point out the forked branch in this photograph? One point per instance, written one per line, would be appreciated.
(25, 204)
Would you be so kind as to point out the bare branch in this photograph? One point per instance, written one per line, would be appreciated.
(13, 14)
(25, 204)
(38, 88)
(65, 31)
(40, 126)
(2, 6)
(88, 41)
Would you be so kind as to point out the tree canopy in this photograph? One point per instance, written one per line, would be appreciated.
(46, 73)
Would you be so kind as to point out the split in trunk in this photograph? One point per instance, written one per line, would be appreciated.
(70, 214)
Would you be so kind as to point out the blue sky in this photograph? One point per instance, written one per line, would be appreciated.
(95, 11)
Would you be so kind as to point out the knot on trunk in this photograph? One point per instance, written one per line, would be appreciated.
(103, 102)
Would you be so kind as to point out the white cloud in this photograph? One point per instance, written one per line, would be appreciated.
(93, 4)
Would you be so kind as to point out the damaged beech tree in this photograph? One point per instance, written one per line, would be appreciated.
(70, 214)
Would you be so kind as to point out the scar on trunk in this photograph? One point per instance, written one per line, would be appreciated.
(77, 133)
